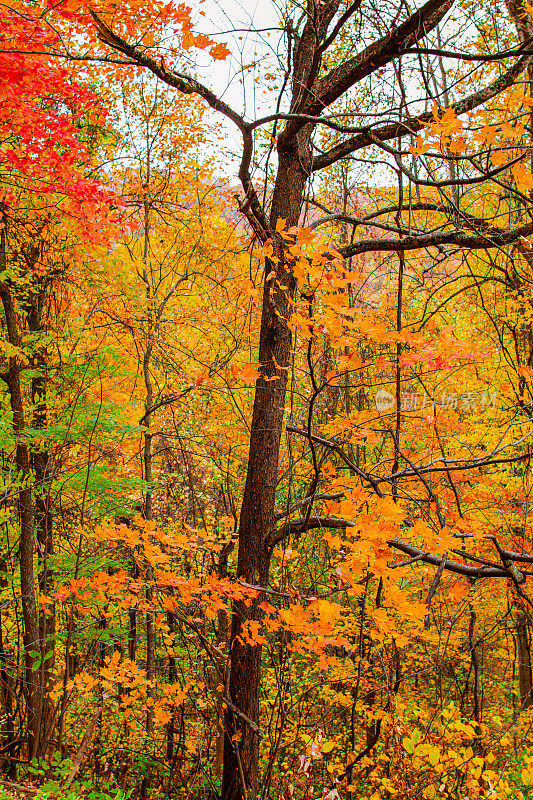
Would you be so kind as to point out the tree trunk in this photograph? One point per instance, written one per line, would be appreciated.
(241, 746)
(523, 658)
(477, 709)
(32, 644)
(171, 726)
(40, 462)
(7, 730)
(148, 476)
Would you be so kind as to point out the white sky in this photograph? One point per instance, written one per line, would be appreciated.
(239, 80)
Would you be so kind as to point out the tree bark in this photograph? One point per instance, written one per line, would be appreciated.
(241, 755)
(40, 463)
(32, 644)
(523, 658)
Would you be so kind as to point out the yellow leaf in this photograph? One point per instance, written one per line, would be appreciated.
(328, 612)
(499, 158)
(523, 177)
(487, 134)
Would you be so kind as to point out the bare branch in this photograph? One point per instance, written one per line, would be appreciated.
(189, 85)
(415, 124)
(493, 237)
(393, 45)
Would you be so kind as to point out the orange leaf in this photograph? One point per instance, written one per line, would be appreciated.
(219, 52)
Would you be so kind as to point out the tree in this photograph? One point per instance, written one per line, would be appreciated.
(316, 84)
(451, 181)
(48, 205)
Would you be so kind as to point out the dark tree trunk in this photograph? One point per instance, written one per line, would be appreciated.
(32, 643)
(40, 463)
(523, 658)
(7, 725)
(241, 755)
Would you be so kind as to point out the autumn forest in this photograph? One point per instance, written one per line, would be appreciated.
(266, 400)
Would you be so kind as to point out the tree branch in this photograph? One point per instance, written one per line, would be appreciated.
(493, 237)
(413, 125)
(393, 45)
(189, 85)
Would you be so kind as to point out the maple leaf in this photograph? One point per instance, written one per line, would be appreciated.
(487, 134)
(202, 379)
(306, 236)
(523, 177)
(248, 373)
(219, 51)
(162, 716)
(499, 158)
(332, 377)
(420, 147)
(170, 604)
(249, 633)
(268, 249)
(327, 611)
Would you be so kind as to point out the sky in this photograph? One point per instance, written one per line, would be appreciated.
(240, 79)
(232, 21)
